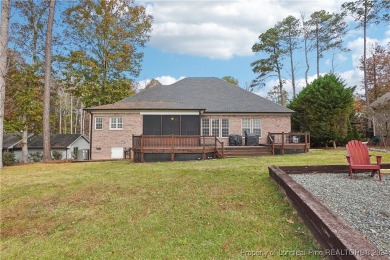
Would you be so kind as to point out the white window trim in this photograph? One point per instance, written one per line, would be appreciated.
(251, 125)
(102, 123)
(116, 128)
(219, 127)
(208, 119)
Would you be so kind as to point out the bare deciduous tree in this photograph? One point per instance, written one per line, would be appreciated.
(5, 10)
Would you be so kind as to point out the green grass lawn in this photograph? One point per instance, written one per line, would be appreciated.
(193, 210)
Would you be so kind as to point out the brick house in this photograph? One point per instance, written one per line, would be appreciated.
(189, 107)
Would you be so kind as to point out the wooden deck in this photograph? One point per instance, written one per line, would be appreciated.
(199, 147)
(246, 151)
(282, 142)
(174, 147)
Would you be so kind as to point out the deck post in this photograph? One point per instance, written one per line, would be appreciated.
(203, 150)
(215, 147)
(282, 143)
(172, 149)
(272, 142)
(142, 148)
(132, 145)
(306, 150)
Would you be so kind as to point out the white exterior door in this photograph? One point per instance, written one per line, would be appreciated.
(117, 153)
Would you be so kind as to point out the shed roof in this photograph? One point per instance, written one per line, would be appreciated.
(213, 95)
(9, 140)
(57, 141)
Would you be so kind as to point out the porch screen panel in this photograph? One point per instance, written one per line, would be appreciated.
(171, 125)
(190, 125)
(151, 125)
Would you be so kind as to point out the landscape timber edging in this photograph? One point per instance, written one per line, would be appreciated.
(338, 239)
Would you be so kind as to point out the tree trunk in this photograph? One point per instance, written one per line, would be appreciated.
(35, 44)
(292, 63)
(292, 75)
(307, 64)
(71, 114)
(364, 61)
(305, 41)
(5, 9)
(24, 142)
(374, 76)
(46, 94)
(282, 101)
(318, 52)
(60, 124)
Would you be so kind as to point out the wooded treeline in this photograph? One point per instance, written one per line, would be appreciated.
(294, 46)
(93, 54)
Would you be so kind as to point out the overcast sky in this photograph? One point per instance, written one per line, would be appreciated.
(214, 39)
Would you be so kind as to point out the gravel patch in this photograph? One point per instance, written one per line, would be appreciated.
(363, 202)
(383, 150)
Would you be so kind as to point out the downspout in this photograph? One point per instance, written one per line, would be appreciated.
(200, 123)
(90, 136)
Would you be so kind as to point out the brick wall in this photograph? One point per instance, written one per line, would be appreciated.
(103, 140)
(269, 123)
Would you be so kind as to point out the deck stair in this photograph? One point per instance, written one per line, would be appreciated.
(246, 151)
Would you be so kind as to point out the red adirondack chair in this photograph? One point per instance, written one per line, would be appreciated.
(359, 159)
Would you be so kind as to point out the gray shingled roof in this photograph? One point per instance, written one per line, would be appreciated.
(10, 140)
(213, 95)
(383, 101)
(57, 141)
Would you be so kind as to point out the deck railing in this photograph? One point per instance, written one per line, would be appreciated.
(178, 142)
(286, 141)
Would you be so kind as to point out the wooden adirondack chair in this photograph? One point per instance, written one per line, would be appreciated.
(359, 159)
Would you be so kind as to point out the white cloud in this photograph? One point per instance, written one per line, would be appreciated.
(168, 80)
(221, 29)
(387, 33)
(353, 78)
(165, 80)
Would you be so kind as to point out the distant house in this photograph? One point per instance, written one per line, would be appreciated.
(381, 108)
(190, 107)
(10, 141)
(66, 144)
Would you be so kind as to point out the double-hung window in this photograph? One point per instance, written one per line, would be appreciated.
(251, 126)
(246, 126)
(224, 127)
(215, 127)
(116, 123)
(98, 123)
(256, 126)
(205, 127)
